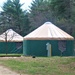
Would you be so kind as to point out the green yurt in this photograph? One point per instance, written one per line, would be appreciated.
(48, 40)
(11, 42)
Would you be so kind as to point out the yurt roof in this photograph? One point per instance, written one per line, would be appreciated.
(11, 36)
(48, 31)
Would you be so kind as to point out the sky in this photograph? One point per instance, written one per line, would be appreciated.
(25, 6)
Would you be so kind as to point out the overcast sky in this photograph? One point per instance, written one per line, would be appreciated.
(25, 6)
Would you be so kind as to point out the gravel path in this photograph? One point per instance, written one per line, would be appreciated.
(6, 71)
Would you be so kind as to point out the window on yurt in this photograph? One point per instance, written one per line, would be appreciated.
(18, 45)
(62, 45)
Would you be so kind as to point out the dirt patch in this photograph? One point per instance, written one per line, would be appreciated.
(6, 71)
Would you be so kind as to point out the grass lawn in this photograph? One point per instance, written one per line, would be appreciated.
(10, 55)
(40, 65)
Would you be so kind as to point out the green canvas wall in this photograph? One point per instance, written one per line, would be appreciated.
(38, 48)
(10, 47)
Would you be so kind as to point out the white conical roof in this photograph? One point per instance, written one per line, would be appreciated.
(48, 31)
(11, 35)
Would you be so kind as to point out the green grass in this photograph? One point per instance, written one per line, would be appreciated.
(10, 55)
(41, 65)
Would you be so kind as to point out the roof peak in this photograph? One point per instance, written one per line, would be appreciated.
(47, 23)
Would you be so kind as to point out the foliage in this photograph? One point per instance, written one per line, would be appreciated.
(14, 17)
(39, 12)
(61, 8)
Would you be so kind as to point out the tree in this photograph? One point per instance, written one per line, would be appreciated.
(13, 8)
(40, 12)
(61, 8)
(15, 15)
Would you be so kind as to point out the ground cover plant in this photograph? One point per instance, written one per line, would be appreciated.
(40, 65)
(10, 55)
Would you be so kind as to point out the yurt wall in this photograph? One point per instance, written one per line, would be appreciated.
(11, 47)
(39, 48)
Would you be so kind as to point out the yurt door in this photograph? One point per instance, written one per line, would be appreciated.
(48, 47)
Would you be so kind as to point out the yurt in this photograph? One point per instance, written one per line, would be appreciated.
(11, 42)
(48, 40)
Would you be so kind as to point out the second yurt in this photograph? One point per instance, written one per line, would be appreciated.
(48, 40)
(11, 42)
